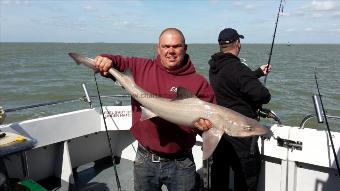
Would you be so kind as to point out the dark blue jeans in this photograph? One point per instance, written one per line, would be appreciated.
(176, 175)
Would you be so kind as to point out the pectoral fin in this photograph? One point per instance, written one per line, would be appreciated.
(210, 141)
(183, 93)
(147, 114)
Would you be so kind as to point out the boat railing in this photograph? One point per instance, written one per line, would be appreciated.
(118, 100)
(311, 116)
(319, 113)
(63, 101)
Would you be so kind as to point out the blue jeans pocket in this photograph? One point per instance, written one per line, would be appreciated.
(186, 163)
(184, 178)
(139, 160)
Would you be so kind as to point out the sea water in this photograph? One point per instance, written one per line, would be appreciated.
(33, 73)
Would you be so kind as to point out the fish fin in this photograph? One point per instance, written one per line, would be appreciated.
(146, 114)
(210, 140)
(183, 93)
(118, 84)
(128, 73)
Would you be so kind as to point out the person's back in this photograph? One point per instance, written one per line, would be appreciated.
(238, 88)
(235, 85)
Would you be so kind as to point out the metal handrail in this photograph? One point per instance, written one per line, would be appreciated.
(308, 117)
(58, 102)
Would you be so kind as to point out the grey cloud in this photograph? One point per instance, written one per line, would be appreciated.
(336, 14)
(60, 21)
(248, 7)
(16, 2)
(319, 6)
(322, 5)
(90, 8)
(317, 9)
(135, 25)
(290, 30)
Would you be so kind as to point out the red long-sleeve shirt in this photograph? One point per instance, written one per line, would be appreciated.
(158, 134)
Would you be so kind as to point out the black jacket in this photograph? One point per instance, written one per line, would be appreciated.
(235, 85)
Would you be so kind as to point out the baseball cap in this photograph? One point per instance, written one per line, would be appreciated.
(228, 35)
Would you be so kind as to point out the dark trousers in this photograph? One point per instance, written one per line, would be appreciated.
(4, 186)
(242, 157)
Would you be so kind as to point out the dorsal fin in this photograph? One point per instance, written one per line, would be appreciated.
(128, 73)
(183, 93)
(146, 114)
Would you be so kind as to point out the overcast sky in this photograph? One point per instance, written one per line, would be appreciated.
(141, 21)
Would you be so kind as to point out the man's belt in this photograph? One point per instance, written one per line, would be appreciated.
(158, 157)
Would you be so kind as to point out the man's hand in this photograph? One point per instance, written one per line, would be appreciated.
(203, 124)
(266, 69)
(103, 64)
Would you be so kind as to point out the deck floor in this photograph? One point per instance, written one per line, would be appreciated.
(101, 176)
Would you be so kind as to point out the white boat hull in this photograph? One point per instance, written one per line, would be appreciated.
(71, 140)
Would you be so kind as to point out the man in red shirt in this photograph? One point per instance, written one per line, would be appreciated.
(164, 151)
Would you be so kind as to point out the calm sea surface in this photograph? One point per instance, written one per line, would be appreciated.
(33, 73)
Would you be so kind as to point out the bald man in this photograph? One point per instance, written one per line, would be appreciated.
(164, 155)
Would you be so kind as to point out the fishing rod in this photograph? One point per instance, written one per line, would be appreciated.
(108, 137)
(322, 115)
(272, 46)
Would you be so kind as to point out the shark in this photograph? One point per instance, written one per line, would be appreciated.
(186, 109)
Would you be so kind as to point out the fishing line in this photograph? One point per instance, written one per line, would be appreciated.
(274, 35)
(327, 125)
(108, 135)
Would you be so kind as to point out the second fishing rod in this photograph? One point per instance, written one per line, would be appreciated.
(273, 41)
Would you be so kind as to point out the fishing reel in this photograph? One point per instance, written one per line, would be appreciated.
(267, 113)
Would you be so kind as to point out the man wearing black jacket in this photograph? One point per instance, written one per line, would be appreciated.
(236, 87)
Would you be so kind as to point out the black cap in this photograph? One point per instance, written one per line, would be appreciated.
(228, 35)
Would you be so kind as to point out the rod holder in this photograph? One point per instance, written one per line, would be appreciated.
(318, 108)
(88, 99)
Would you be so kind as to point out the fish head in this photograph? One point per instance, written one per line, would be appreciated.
(247, 130)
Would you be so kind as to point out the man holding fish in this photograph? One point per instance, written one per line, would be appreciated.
(164, 153)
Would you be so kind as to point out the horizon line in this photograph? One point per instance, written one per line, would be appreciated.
(56, 42)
